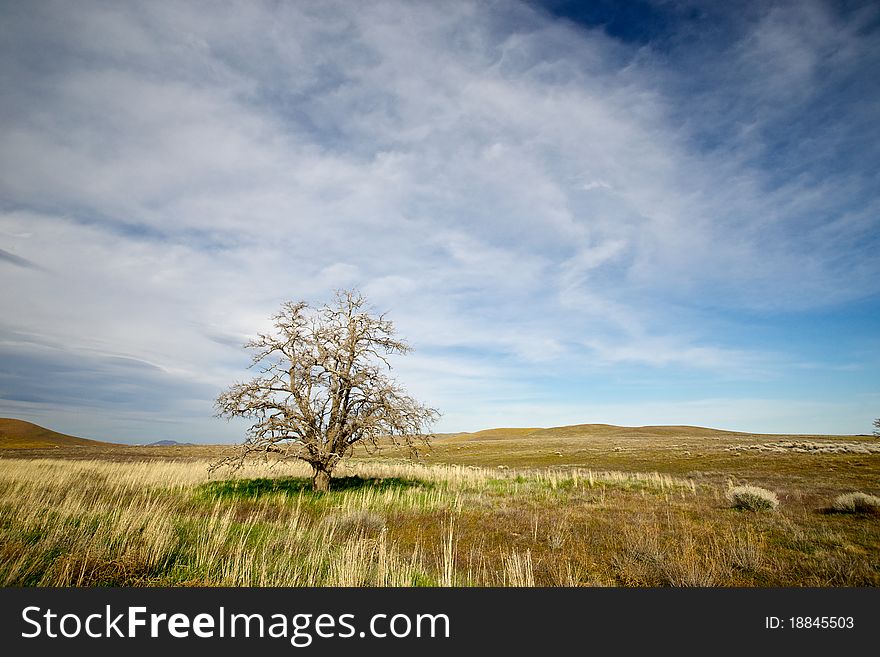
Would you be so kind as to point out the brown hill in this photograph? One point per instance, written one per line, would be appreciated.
(18, 434)
(589, 430)
(613, 430)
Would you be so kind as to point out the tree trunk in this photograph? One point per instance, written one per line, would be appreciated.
(320, 479)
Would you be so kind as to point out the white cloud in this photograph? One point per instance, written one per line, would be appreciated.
(499, 182)
(596, 184)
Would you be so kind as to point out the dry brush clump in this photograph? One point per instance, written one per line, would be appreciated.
(743, 549)
(650, 554)
(752, 498)
(810, 447)
(856, 503)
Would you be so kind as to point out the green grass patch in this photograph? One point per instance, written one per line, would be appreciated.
(295, 486)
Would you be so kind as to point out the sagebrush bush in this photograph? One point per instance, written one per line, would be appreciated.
(856, 503)
(752, 498)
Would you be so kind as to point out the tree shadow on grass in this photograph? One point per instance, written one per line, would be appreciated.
(251, 488)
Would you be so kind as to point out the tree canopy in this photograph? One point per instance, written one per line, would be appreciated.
(324, 387)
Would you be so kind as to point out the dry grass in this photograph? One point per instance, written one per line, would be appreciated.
(752, 498)
(396, 523)
(856, 503)
(813, 447)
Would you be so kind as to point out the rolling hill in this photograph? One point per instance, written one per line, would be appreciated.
(587, 431)
(168, 443)
(18, 434)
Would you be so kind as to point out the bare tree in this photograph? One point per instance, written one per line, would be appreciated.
(323, 388)
(877, 427)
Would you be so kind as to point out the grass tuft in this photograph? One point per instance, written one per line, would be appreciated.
(856, 503)
(752, 498)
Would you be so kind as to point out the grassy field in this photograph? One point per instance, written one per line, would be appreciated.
(573, 506)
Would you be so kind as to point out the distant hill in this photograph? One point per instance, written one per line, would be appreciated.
(586, 431)
(494, 434)
(166, 443)
(18, 434)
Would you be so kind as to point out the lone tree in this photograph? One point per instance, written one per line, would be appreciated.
(877, 427)
(323, 388)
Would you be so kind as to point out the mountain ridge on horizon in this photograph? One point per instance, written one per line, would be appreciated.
(22, 434)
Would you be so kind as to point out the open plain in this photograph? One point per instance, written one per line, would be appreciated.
(587, 505)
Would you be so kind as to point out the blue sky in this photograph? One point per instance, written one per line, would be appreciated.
(642, 213)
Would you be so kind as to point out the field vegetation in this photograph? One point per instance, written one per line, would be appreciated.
(517, 509)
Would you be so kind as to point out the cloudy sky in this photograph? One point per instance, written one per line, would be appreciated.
(646, 213)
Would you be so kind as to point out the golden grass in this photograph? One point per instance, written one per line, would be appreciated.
(399, 523)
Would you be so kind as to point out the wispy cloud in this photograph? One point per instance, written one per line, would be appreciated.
(17, 261)
(535, 196)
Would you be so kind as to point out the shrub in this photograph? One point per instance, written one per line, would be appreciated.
(856, 503)
(752, 498)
